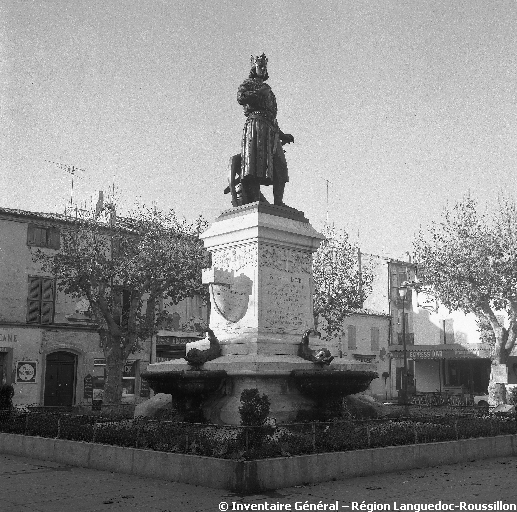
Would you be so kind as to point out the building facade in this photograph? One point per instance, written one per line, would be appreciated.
(443, 348)
(50, 350)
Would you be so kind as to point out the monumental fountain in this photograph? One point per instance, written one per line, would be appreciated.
(261, 290)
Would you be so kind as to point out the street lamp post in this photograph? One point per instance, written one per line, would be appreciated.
(402, 293)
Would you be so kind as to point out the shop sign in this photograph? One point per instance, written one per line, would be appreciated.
(8, 337)
(175, 340)
(425, 354)
(452, 353)
(129, 369)
(363, 358)
(145, 391)
(26, 372)
(5, 349)
(470, 353)
(88, 387)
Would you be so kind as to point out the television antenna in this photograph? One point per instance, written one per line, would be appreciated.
(327, 181)
(70, 169)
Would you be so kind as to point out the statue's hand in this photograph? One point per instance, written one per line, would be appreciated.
(287, 138)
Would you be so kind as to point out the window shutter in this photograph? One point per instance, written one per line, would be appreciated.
(31, 234)
(34, 300)
(352, 342)
(54, 238)
(375, 338)
(47, 300)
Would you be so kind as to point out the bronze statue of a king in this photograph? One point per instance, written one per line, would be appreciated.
(262, 159)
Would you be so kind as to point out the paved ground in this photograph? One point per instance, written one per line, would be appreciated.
(34, 485)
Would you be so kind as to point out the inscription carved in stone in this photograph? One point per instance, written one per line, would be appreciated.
(285, 301)
(236, 257)
(285, 259)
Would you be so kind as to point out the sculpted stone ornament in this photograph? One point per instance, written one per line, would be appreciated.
(320, 357)
(229, 294)
(197, 358)
(262, 159)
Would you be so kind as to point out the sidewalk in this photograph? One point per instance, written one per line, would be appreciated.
(33, 485)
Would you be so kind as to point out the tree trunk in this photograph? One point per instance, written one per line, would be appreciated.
(497, 389)
(115, 359)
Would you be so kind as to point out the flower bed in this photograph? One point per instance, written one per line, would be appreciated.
(251, 443)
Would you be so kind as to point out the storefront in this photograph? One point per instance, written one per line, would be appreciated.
(459, 369)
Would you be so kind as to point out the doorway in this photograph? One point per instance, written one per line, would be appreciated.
(3, 367)
(60, 377)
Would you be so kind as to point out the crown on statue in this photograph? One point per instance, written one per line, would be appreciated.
(258, 59)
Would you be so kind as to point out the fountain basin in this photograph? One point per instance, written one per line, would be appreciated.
(321, 383)
(291, 383)
(185, 383)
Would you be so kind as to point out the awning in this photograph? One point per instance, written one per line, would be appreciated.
(177, 337)
(449, 351)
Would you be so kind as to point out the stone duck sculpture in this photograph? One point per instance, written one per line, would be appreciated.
(197, 358)
(321, 356)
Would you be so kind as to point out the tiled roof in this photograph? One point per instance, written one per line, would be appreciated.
(367, 311)
(121, 222)
(24, 213)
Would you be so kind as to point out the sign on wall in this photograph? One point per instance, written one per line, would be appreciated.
(26, 372)
(8, 337)
(88, 387)
(145, 391)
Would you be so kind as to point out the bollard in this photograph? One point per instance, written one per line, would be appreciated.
(368, 435)
(94, 430)
(138, 432)
(58, 427)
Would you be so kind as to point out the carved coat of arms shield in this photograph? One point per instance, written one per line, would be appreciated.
(229, 301)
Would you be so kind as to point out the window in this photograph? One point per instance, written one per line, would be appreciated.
(122, 307)
(410, 376)
(128, 378)
(99, 378)
(40, 300)
(374, 333)
(352, 341)
(43, 236)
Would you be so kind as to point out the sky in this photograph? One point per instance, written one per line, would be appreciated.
(398, 107)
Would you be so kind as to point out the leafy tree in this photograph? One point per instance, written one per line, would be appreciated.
(124, 268)
(340, 285)
(469, 261)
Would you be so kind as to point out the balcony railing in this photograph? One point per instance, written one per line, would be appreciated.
(410, 338)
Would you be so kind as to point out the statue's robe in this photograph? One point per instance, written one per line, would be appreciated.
(261, 149)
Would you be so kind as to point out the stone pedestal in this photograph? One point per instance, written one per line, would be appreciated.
(261, 279)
